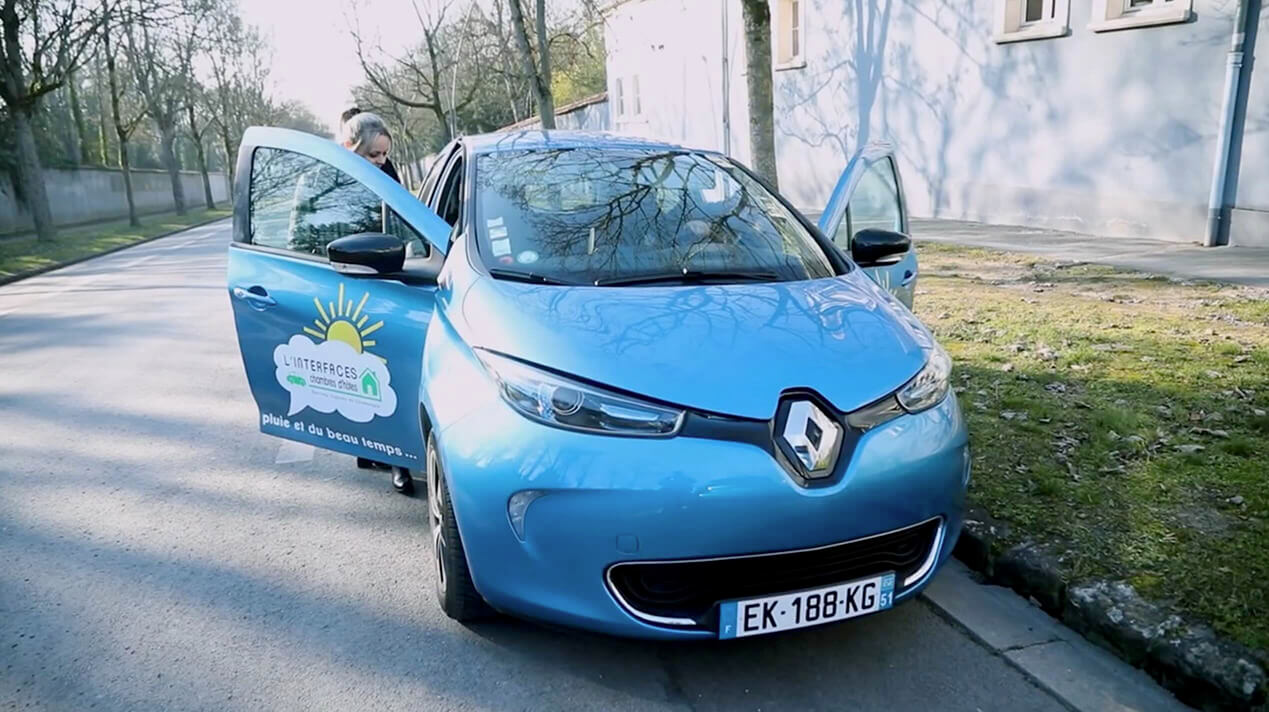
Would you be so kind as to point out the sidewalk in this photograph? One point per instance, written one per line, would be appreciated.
(1243, 265)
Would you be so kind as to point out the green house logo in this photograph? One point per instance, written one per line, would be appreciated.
(369, 384)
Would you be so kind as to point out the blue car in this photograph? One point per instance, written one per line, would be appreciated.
(648, 396)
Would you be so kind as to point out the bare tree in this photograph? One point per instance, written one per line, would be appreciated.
(103, 122)
(235, 91)
(422, 72)
(236, 96)
(505, 71)
(196, 134)
(757, 18)
(59, 123)
(123, 126)
(537, 69)
(471, 56)
(228, 42)
(162, 64)
(43, 42)
(77, 113)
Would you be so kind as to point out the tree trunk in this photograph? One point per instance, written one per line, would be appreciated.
(125, 167)
(439, 112)
(202, 167)
(64, 126)
(757, 15)
(121, 131)
(506, 63)
(202, 157)
(77, 113)
(541, 90)
(103, 152)
(226, 138)
(30, 175)
(231, 158)
(167, 154)
(546, 97)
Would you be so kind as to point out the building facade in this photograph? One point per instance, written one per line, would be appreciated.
(1097, 116)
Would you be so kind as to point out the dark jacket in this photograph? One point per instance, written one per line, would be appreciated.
(390, 169)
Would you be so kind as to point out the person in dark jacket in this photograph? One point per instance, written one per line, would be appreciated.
(373, 123)
(367, 135)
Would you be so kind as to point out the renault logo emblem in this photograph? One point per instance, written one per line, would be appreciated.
(812, 436)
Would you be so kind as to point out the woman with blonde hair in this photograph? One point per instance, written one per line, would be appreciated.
(367, 135)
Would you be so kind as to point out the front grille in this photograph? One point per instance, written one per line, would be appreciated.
(662, 591)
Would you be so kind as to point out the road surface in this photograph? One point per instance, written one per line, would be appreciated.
(158, 552)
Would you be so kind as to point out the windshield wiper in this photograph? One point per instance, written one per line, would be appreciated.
(688, 275)
(531, 277)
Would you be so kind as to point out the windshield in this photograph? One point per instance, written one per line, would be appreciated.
(613, 216)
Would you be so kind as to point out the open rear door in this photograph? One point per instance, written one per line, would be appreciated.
(869, 194)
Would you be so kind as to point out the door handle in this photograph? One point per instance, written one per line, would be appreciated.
(255, 296)
(908, 276)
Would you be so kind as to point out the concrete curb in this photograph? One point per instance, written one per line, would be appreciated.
(1080, 675)
(84, 258)
(1201, 668)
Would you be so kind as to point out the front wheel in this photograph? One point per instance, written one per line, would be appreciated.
(454, 589)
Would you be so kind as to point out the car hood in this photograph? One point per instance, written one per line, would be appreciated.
(729, 349)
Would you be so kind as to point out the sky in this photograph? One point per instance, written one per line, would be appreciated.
(314, 56)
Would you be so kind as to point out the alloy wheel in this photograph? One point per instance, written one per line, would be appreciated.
(435, 520)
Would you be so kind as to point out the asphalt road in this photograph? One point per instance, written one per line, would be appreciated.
(158, 552)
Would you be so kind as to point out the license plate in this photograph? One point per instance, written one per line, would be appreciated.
(800, 609)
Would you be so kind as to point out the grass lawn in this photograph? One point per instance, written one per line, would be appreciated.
(19, 255)
(1120, 414)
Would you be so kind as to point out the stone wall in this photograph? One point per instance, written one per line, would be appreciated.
(89, 194)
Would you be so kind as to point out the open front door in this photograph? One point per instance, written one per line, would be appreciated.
(869, 195)
(333, 358)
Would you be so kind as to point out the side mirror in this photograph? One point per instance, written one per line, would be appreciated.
(872, 247)
(367, 253)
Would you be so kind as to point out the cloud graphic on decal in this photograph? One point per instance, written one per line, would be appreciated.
(332, 376)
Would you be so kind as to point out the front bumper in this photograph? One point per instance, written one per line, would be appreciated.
(604, 501)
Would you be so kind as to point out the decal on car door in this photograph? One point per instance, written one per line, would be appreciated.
(331, 366)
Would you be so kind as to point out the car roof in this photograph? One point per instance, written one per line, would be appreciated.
(556, 138)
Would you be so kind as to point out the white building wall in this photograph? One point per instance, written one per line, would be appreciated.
(675, 49)
(1250, 222)
(591, 115)
(1109, 133)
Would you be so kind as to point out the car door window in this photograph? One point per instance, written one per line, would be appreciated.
(299, 203)
(874, 204)
(433, 175)
(449, 203)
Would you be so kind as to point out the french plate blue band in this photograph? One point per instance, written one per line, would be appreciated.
(727, 620)
(887, 592)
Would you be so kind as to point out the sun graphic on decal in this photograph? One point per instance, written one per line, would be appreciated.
(339, 321)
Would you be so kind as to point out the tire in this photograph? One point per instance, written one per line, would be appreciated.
(454, 590)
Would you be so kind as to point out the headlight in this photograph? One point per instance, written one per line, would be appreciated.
(563, 403)
(928, 388)
(870, 416)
